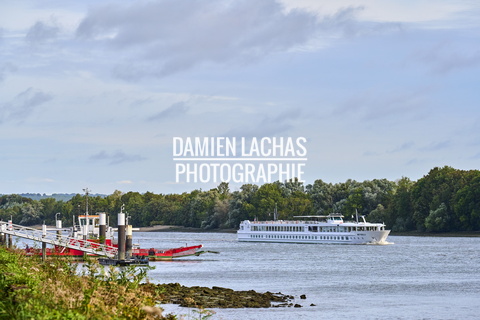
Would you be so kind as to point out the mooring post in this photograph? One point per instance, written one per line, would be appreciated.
(129, 242)
(103, 227)
(2, 235)
(121, 235)
(58, 225)
(9, 237)
(44, 244)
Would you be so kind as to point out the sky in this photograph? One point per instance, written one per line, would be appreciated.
(93, 93)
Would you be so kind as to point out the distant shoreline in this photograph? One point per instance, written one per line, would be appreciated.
(436, 234)
(169, 228)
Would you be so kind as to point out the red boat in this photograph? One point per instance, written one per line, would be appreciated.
(151, 254)
(167, 254)
(88, 227)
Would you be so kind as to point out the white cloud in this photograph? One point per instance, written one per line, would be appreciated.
(24, 103)
(125, 182)
(166, 37)
(41, 32)
(116, 157)
(440, 13)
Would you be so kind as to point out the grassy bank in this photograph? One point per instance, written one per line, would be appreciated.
(32, 289)
(55, 289)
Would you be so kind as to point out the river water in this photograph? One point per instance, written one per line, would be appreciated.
(413, 278)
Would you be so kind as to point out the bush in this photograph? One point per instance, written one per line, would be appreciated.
(54, 289)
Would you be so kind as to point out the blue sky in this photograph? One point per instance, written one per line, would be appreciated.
(93, 92)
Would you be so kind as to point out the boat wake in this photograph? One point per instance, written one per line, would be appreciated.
(381, 243)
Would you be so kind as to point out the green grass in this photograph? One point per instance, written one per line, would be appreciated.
(54, 289)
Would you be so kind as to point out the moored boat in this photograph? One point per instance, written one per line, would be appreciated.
(330, 229)
(167, 254)
(92, 230)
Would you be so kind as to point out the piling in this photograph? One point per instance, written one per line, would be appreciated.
(121, 236)
(58, 225)
(3, 236)
(9, 237)
(102, 227)
(129, 242)
(44, 244)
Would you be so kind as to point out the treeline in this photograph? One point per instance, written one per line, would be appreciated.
(444, 200)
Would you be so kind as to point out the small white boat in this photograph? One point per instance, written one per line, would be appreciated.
(329, 229)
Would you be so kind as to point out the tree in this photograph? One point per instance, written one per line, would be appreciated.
(266, 198)
(399, 217)
(321, 195)
(467, 204)
(438, 220)
(30, 213)
(439, 186)
(241, 205)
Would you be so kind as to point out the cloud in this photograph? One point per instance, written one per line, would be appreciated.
(6, 68)
(165, 37)
(40, 180)
(40, 32)
(444, 57)
(456, 61)
(268, 125)
(116, 157)
(23, 105)
(437, 146)
(372, 106)
(404, 147)
(175, 110)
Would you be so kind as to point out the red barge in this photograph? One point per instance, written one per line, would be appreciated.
(89, 229)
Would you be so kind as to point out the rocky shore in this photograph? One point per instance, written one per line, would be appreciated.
(216, 297)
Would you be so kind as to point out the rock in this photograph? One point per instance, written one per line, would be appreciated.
(216, 297)
(303, 296)
(297, 305)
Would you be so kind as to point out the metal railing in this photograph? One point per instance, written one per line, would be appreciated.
(58, 239)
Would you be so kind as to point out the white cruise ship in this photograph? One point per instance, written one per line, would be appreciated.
(317, 229)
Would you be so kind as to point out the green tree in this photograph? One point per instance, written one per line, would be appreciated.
(399, 217)
(241, 205)
(322, 196)
(266, 198)
(438, 220)
(467, 204)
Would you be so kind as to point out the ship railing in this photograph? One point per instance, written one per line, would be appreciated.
(285, 222)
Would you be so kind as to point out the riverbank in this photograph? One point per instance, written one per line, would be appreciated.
(58, 289)
(170, 228)
(435, 234)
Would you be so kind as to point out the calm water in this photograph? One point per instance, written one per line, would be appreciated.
(414, 278)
